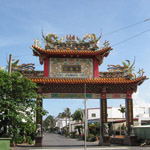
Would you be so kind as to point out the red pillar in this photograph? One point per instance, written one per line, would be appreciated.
(96, 68)
(46, 67)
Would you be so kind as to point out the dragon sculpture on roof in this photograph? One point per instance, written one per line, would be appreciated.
(127, 69)
(89, 41)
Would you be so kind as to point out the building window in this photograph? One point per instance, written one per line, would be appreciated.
(93, 115)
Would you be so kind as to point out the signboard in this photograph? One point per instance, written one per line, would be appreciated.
(70, 96)
(104, 110)
(71, 68)
(81, 96)
(116, 96)
(129, 111)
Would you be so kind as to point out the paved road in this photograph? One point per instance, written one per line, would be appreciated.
(58, 142)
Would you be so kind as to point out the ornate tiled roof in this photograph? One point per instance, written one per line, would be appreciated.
(43, 53)
(72, 47)
(55, 52)
(105, 81)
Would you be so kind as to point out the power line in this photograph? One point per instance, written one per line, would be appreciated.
(127, 27)
(115, 32)
(130, 38)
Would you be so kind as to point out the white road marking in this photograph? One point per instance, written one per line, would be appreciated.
(96, 148)
(89, 148)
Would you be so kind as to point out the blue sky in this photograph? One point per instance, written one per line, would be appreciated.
(21, 21)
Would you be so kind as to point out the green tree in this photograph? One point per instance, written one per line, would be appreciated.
(94, 128)
(17, 106)
(49, 123)
(122, 110)
(78, 116)
(67, 116)
(67, 113)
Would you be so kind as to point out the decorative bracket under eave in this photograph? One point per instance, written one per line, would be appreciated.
(41, 56)
(101, 57)
(41, 59)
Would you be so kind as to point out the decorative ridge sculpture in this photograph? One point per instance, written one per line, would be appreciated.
(127, 69)
(89, 42)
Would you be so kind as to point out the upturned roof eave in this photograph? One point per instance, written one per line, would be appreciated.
(102, 81)
(37, 51)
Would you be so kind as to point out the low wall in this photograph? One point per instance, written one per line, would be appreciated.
(142, 132)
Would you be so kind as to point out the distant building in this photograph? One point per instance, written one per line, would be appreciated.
(115, 117)
(113, 114)
(62, 122)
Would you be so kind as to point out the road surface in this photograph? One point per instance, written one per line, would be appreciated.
(59, 142)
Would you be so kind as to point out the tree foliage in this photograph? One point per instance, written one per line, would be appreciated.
(67, 113)
(49, 123)
(17, 105)
(94, 128)
(122, 110)
(78, 115)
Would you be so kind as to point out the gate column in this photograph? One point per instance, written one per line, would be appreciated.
(130, 138)
(104, 139)
(39, 130)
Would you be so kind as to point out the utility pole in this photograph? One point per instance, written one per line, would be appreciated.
(10, 64)
(9, 71)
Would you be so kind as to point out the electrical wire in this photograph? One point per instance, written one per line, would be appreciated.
(130, 38)
(126, 27)
(115, 32)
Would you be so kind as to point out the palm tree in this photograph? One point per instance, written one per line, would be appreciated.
(78, 116)
(122, 110)
(67, 115)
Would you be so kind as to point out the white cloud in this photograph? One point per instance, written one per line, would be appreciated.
(139, 101)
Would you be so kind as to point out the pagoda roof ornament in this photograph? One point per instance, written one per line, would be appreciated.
(89, 42)
(127, 70)
(73, 46)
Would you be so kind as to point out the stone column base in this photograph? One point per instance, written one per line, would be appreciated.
(104, 141)
(38, 141)
(130, 140)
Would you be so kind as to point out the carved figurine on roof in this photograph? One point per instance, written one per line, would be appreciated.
(127, 70)
(22, 67)
(89, 42)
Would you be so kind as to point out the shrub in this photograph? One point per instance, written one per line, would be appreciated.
(73, 134)
(91, 138)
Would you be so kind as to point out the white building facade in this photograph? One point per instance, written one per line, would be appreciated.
(142, 113)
